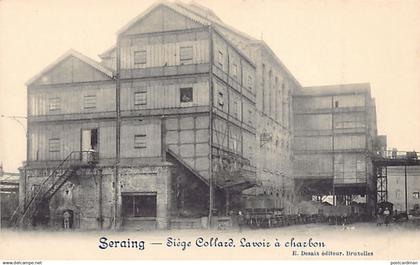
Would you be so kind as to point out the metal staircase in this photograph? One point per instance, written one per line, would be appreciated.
(24, 214)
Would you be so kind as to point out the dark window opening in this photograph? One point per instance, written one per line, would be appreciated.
(220, 100)
(186, 94)
(94, 139)
(336, 104)
(90, 142)
(139, 205)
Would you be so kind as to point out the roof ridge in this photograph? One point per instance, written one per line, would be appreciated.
(71, 52)
(213, 21)
(170, 5)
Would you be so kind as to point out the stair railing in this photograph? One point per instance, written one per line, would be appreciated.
(66, 162)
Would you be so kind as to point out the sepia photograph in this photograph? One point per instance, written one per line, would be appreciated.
(208, 129)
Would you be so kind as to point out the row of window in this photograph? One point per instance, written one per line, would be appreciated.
(140, 98)
(186, 55)
(234, 70)
(138, 143)
(398, 194)
(186, 95)
(89, 102)
(236, 108)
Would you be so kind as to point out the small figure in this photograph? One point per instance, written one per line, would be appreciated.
(240, 221)
(379, 217)
(66, 217)
(387, 215)
(394, 153)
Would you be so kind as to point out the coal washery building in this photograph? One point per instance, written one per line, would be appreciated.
(182, 115)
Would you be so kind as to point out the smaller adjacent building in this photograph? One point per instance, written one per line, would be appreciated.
(397, 187)
(335, 141)
(9, 195)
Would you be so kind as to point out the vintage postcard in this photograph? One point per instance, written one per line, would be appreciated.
(210, 129)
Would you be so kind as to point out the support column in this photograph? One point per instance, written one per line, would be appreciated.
(163, 200)
(405, 188)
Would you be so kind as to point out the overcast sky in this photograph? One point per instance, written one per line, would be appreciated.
(321, 42)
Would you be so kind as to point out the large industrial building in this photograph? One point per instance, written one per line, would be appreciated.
(182, 109)
(335, 142)
(183, 115)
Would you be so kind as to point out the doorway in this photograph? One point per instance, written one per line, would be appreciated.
(68, 217)
(90, 142)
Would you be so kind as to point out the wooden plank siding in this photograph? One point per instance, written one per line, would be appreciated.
(150, 128)
(234, 101)
(69, 138)
(71, 98)
(162, 94)
(187, 134)
(164, 54)
(160, 78)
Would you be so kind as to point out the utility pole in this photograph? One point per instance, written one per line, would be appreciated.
(26, 130)
(118, 130)
(333, 149)
(211, 126)
(405, 187)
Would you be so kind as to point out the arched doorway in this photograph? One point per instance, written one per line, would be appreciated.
(68, 219)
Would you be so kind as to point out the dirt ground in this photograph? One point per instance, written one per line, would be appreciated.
(310, 241)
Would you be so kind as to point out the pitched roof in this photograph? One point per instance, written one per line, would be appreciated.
(205, 16)
(207, 12)
(170, 5)
(208, 15)
(108, 72)
(194, 12)
(265, 46)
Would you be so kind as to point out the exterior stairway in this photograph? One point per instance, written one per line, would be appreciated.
(23, 215)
